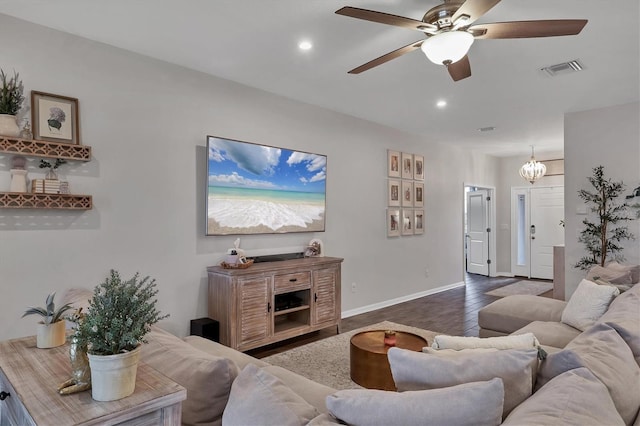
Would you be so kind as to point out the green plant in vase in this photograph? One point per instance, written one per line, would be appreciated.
(11, 99)
(51, 174)
(51, 330)
(120, 314)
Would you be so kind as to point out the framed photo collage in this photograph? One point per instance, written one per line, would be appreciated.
(405, 194)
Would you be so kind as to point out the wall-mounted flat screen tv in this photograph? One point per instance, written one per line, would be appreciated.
(260, 189)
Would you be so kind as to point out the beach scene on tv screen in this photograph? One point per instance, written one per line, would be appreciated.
(258, 189)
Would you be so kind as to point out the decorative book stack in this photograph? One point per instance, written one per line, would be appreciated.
(49, 186)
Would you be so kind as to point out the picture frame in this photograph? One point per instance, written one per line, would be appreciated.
(393, 163)
(407, 193)
(393, 222)
(418, 194)
(54, 118)
(407, 166)
(407, 221)
(418, 222)
(418, 167)
(393, 193)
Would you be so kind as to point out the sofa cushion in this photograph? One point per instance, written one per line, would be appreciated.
(587, 304)
(259, 398)
(607, 356)
(623, 316)
(482, 406)
(324, 419)
(608, 274)
(550, 333)
(215, 348)
(522, 341)
(575, 397)
(633, 269)
(415, 371)
(207, 378)
(312, 392)
(511, 313)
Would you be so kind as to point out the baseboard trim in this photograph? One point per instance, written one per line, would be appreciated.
(391, 302)
(504, 274)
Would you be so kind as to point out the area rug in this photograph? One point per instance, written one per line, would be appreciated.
(522, 287)
(327, 361)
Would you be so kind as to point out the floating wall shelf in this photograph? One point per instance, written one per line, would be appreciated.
(19, 200)
(38, 148)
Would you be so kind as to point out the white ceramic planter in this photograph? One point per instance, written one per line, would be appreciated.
(8, 125)
(50, 335)
(113, 376)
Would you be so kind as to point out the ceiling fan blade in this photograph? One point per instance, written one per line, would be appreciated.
(461, 69)
(526, 29)
(384, 18)
(386, 58)
(474, 9)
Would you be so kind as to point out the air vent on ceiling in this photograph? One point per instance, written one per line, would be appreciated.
(563, 68)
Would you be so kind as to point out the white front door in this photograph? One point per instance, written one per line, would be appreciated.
(477, 232)
(547, 210)
(535, 228)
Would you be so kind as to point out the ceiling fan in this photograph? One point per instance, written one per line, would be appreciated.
(449, 33)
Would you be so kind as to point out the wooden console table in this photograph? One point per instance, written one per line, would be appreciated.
(29, 378)
(272, 301)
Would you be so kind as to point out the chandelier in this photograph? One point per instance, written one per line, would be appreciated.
(532, 170)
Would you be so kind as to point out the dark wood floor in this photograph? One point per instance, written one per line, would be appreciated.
(453, 312)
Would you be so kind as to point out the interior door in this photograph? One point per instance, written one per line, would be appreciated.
(547, 210)
(477, 232)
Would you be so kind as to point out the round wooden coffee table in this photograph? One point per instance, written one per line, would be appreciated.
(368, 357)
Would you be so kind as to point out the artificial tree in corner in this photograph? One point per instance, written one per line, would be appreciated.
(602, 237)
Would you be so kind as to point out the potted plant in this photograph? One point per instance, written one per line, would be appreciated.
(120, 314)
(51, 330)
(11, 98)
(603, 236)
(51, 174)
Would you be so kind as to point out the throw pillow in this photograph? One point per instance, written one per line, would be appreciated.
(469, 404)
(612, 275)
(633, 269)
(587, 304)
(260, 398)
(522, 341)
(623, 316)
(607, 356)
(575, 397)
(419, 371)
(207, 378)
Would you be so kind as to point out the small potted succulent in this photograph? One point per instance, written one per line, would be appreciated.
(11, 99)
(120, 314)
(51, 330)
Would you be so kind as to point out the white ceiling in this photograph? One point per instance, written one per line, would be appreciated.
(254, 42)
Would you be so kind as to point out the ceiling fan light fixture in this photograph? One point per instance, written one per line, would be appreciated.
(532, 170)
(447, 47)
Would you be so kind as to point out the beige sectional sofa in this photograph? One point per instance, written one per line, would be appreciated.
(589, 377)
(608, 351)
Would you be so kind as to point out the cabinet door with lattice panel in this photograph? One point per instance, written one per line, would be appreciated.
(325, 288)
(255, 310)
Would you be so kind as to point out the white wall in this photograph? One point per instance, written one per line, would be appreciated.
(147, 121)
(609, 137)
(509, 177)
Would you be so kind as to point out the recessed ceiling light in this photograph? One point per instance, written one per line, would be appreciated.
(441, 103)
(305, 45)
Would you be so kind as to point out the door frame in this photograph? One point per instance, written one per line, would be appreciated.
(491, 214)
(526, 190)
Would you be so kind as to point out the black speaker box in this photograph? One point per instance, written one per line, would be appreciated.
(207, 328)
